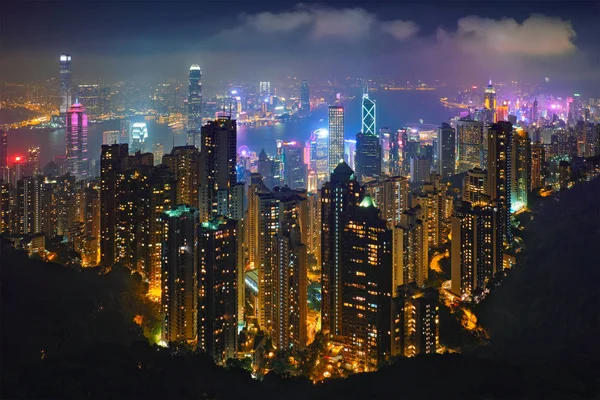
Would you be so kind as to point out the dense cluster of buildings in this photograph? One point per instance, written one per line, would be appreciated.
(226, 242)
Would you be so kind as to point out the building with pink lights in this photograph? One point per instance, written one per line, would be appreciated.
(76, 131)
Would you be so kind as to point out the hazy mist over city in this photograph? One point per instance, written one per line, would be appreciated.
(454, 42)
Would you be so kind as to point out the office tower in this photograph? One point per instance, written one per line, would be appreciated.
(390, 194)
(184, 163)
(520, 169)
(267, 169)
(194, 102)
(111, 137)
(180, 275)
(29, 205)
(489, 103)
(431, 199)
(410, 150)
(339, 199)
(564, 174)
(445, 155)
(5, 208)
(350, 152)
(368, 156)
(420, 169)
(418, 320)
(89, 97)
(368, 116)
(113, 161)
(319, 155)
(3, 151)
(474, 189)
(66, 205)
(304, 97)
(384, 138)
(125, 127)
(77, 130)
(31, 166)
(158, 152)
(294, 167)
(66, 84)
(336, 136)
(217, 285)
(538, 159)
(410, 259)
(265, 88)
(502, 111)
(139, 134)
(218, 159)
(313, 236)
(161, 197)
(366, 287)
(469, 136)
(534, 111)
(499, 168)
(476, 251)
(395, 163)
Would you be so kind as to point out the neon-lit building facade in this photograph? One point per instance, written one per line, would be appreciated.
(77, 130)
(336, 136)
(368, 115)
(139, 134)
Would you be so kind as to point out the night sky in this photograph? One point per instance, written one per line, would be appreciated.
(459, 42)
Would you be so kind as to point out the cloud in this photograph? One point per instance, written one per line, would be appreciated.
(267, 22)
(538, 35)
(348, 23)
(400, 30)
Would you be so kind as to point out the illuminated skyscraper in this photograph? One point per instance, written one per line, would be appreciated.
(3, 151)
(217, 277)
(391, 196)
(445, 147)
(339, 199)
(336, 136)
(218, 174)
(158, 151)
(368, 156)
(295, 172)
(469, 136)
(5, 207)
(319, 154)
(184, 163)
(89, 96)
(29, 205)
(489, 102)
(420, 169)
(66, 84)
(418, 328)
(499, 169)
(477, 251)
(431, 199)
(521, 166)
(194, 104)
(502, 111)
(410, 249)
(368, 115)
(366, 287)
(534, 111)
(139, 134)
(304, 97)
(77, 130)
(350, 152)
(538, 159)
(474, 188)
(180, 275)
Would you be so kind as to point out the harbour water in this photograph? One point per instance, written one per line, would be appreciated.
(394, 109)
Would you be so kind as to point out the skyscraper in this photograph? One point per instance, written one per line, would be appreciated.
(477, 251)
(184, 163)
(469, 136)
(418, 320)
(474, 188)
(336, 136)
(445, 146)
(89, 96)
(77, 130)
(218, 159)
(410, 249)
(499, 169)
(180, 275)
(538, 159)
(339, 199)
(368, 156)
(420, 169)
(489, 103)
(217, 277)
(111, 137)
(295, 173)
(534, 111)
(194, 104)
(366, 287)
(391, 196)
(304, 98)
(66, 84)
(139, 134)
(3, 151)
(319, 154)
(520, 169)
(368, 115)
